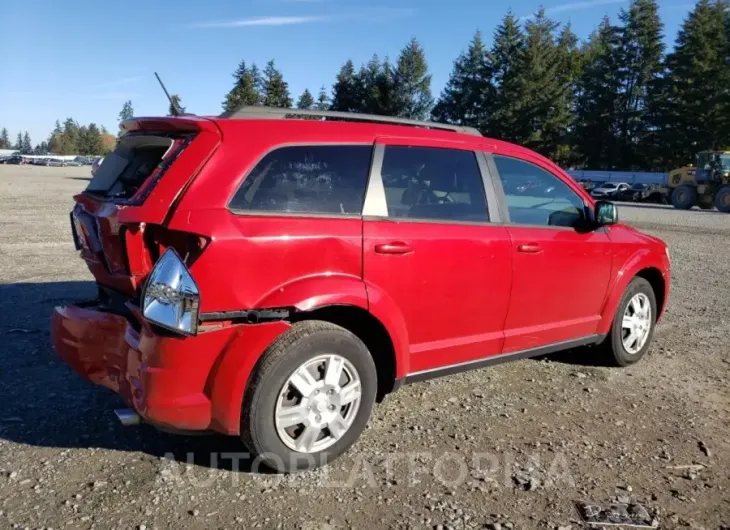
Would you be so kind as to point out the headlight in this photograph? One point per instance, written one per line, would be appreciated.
(170, 298)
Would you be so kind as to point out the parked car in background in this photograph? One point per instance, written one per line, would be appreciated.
(643, 193)
(609, 189)
(635, 193)
(271, 277)
(15, 159)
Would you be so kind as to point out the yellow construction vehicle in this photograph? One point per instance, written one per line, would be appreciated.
(704, 184)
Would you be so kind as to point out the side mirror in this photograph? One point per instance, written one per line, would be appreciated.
(606, 213)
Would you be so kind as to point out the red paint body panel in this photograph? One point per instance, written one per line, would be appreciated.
(558, 291)
(452, 289)
(446, 293)
(171, 381)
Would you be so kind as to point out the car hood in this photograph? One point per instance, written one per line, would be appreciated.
(638, 234)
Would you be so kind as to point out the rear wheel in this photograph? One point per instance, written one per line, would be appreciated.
(722, 199)
(309, 398)
(684, 197)
(633, 324)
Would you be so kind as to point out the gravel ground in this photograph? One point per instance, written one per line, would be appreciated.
(513, 446)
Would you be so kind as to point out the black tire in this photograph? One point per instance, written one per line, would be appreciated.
(613, 346)
(684, 197)
(722, 199)
(304, 341)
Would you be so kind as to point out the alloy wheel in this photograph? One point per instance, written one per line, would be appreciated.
(318, 403)
(636, 323)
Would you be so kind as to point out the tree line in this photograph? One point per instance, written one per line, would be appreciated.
(617, 101)
(68, 138)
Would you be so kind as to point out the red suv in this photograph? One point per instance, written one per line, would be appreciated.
(271, 273)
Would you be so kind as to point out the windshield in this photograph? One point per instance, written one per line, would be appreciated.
(707, 161)
(610, 185)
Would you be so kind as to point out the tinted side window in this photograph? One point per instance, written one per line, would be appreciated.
(432, 183)
(323, 179)
(537, 197)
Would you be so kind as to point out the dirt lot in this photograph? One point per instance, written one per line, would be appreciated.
(507, 447)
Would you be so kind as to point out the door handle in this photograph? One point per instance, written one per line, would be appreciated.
(529, 248)
(395, 247)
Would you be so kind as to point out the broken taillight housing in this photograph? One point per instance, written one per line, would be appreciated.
(170, 298)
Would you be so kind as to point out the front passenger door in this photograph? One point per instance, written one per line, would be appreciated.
(560, 269)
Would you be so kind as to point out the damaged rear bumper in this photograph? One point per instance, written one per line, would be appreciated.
(168, 380)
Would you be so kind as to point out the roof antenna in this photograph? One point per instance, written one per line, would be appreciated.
(173, 105)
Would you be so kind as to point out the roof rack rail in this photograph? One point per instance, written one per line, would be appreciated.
(274, 113)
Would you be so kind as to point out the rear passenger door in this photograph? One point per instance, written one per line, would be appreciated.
(561, 265)
(296, 215)
(432, 248)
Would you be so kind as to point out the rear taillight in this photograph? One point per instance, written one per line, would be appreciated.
(170, 298)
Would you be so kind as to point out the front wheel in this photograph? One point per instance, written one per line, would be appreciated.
(722, 199)
(309, 398)
(633, 325)
(684, 197)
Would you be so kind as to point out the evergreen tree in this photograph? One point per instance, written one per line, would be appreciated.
(127, 112)
(323, 102)
(89, 141)
(366, 86)
(275, 89)
(246, 89)
(469, 94)
(412, 83)
(18, 142)
(640, 64)
(543, 100)
(175, 106)
(4, 139)
(69, 140)
(386, 90)
(55, 137)
(27, 145)
(570, 65)
(508, 46)
(306, 100)
(689, 108)
(598, 100)
(345, 92)
(95, 144)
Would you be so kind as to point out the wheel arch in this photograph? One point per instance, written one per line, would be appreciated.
(640, 265)
(371, 331)
(658, 284)
(342, 300)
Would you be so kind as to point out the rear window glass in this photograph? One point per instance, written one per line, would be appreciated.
(321, 179)
(125, 169)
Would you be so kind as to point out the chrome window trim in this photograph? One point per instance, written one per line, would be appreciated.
(375, 204)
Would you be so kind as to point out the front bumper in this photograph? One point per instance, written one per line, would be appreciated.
(169, 380)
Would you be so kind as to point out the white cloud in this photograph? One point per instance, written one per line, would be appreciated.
(575, 6)
(263, 21)
(370, 15)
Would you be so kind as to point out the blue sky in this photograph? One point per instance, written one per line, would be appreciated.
(84, 58)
